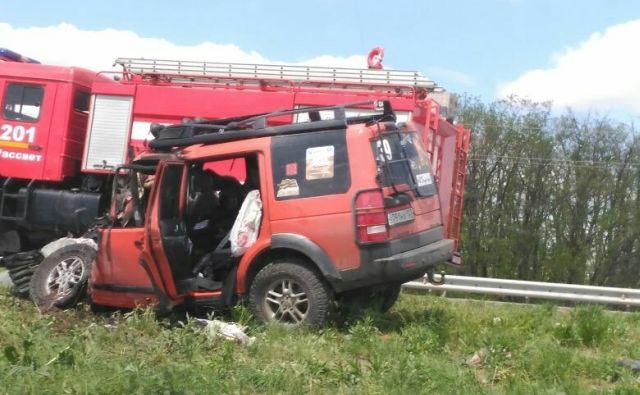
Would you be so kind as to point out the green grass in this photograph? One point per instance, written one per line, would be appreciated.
(419, 347)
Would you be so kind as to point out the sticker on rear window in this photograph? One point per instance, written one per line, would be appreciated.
(288, 187)
(291, 169)
(424, 179)
(319, 163)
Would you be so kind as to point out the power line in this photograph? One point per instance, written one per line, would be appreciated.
(559, 163)
(543, 159)
(527, 128)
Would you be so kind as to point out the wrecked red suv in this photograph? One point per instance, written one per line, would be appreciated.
(345, 207)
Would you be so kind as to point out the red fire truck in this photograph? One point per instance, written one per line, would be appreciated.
(64, 130)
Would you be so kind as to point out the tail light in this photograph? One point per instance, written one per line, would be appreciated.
(371, 219)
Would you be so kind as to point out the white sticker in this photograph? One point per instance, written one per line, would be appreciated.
(384, 150)
(320, 162)
(20, 156)
(17, 133)
(288, 187)
(424, 179)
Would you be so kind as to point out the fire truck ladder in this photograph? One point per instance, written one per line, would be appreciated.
(459, 174)
(14, 200)
(195, 71)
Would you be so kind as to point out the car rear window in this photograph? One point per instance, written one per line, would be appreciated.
(310, 164)
(403, 162)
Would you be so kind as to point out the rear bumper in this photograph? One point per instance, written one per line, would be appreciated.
(414, 263)
(397, 268)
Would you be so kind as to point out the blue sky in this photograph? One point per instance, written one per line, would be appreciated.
(466, 46)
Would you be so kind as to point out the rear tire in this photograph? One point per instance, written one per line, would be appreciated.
(289, 293)
(61, 278)
(377, 299)
(389, 297)
(21, 267)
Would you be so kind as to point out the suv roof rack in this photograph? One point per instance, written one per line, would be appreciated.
(256, 125)
(197, 71)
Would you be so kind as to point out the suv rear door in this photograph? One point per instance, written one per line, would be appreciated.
(404, 169)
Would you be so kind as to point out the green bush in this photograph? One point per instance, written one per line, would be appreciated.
(589, 326)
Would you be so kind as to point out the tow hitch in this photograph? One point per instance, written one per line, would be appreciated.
(431, 277)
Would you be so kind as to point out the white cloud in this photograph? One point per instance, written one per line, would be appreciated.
(66, 45)
(452, 76)
(602, 72)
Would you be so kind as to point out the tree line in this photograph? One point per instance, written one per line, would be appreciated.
(550, 197)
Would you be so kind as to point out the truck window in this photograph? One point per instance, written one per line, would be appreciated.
(235, 167)
(23, 102)
(310, 164)
(81, 101)
(215, 193)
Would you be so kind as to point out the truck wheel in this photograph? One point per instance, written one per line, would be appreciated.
(289, 293)
(378, 299)
(61, 278)
(21, 267)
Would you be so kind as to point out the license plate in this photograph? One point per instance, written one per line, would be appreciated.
(400, 216)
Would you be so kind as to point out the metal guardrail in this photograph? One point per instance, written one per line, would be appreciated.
(532, 289)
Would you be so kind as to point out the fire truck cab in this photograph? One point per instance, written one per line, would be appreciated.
(42, 134)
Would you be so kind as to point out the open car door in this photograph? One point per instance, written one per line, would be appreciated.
(150, 257)
(167, 247)
(117, 278)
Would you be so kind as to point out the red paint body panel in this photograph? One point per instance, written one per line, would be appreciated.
(125, 300)
(171, 102)
(118, 265)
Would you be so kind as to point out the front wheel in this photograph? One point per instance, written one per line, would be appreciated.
(60, 280)
(289, 293)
